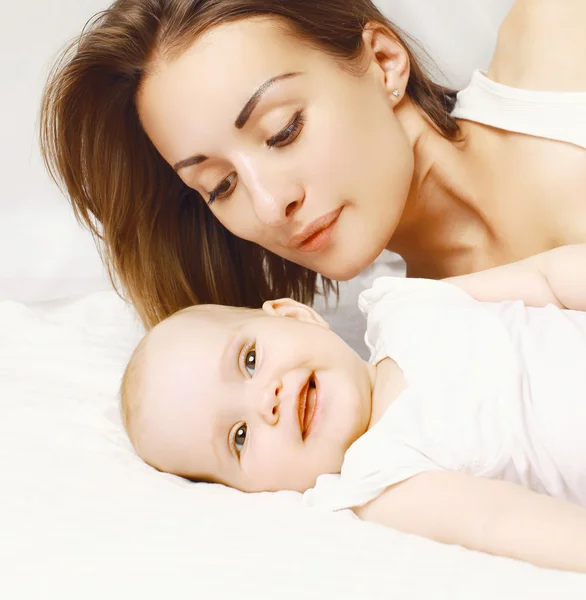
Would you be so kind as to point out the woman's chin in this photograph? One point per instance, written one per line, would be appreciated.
(349, 267)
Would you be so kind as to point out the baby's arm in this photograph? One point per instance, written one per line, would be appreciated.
(554, 277)
(491, 516)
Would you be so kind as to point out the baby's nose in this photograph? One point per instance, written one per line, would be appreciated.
(270, 405)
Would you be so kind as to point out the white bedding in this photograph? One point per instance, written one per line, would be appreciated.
(82, 517)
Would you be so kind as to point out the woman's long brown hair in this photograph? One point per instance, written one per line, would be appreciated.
(158, 238)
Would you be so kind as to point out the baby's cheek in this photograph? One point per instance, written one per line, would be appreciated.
(284, 471)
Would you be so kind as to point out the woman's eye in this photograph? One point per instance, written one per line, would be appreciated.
(240, 437)
(224, 189)
(289, 134)
(250, 361)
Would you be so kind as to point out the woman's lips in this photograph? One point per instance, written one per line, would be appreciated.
(317, 234)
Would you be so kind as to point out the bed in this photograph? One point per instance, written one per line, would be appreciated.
(84, 517)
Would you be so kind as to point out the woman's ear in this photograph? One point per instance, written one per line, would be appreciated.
(386, 51)
(286, 307)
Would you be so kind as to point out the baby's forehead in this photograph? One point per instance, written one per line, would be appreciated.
(199, 325)
(188, 346)
(213, 315)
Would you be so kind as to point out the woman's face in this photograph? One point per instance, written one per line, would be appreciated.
(290, 150)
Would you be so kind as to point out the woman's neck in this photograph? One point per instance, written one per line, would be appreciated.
(443, 219)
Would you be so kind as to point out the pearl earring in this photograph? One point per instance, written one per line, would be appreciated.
(396, 93)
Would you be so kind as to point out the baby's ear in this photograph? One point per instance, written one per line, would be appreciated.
(287, 307)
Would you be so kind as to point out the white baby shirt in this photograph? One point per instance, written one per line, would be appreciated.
(494, 390)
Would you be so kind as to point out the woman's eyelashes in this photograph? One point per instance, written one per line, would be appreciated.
(288, 135)
(285, 137)
(223, 190)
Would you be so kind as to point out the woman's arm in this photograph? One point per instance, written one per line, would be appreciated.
(541, 46)
(491, 516)
(554, 277)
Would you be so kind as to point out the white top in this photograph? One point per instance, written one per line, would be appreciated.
(553, 115)
(493, 390)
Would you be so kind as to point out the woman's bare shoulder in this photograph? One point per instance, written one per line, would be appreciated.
(542, 46)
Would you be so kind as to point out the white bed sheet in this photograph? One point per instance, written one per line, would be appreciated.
(82, 517)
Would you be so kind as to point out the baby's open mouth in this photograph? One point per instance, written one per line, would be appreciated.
(307, 404)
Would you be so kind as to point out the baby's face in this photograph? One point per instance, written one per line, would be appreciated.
(253, 399)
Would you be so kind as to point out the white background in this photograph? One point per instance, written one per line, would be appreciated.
(43, 254)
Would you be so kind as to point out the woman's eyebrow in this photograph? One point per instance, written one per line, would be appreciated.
(249, 107)
(189, 162)
(242, 118)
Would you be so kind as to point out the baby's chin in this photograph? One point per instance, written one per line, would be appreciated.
(279, 487)
(300, 483)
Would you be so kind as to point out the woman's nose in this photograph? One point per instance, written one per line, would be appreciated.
(275, 197)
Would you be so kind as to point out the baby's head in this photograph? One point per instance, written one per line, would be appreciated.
(260, 400)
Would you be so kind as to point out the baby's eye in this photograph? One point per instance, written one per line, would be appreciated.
(250, 361)
(240, 437)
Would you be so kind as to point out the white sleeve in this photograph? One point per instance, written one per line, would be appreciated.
(398, 293)
(406, 317)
